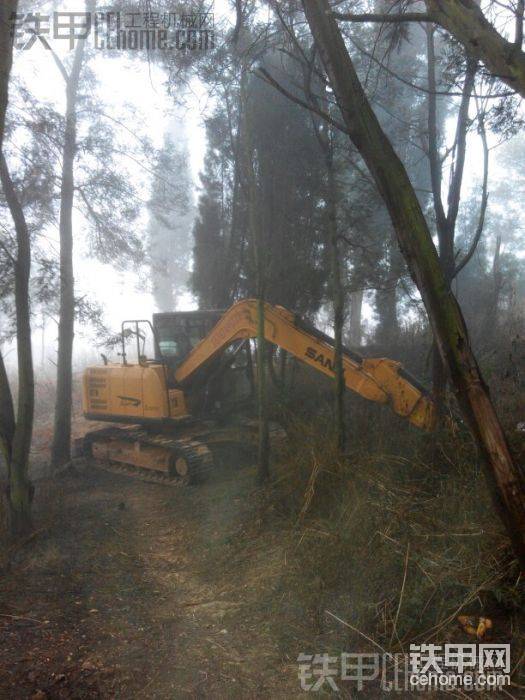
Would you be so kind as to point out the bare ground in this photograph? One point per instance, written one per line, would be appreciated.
(140, 590)
(135, 590)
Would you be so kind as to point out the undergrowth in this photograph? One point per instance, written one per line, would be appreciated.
(395, 544)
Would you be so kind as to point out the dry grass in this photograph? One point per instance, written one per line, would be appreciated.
(394, 545)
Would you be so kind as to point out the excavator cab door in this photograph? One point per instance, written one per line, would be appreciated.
(178, 332)
(221, 381)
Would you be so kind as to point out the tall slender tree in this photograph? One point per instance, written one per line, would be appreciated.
(61, 445)
(260, 260)
(16, 434)
(7, 11)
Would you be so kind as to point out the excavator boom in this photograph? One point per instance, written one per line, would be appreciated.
(380, 380)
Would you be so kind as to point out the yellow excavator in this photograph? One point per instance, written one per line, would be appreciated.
(174, 409)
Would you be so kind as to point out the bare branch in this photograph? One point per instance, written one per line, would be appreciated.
(435, 162)
(238, 21)
(57, 60)
(7, 252)
(454, 193)
(484, 198)
(382, 18)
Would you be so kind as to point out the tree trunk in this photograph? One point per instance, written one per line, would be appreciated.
(338, 304)
(467, 23)
(20, 489)
(7, 9)
(324, 138)
(446, 222)
(464, 19)
(61, 447)
(491, 321)
(251, 192)
(283, 362)
(386, 304)
(7, 414)
(249, 369)
(264, 435)
(505, 479)
(356, 311)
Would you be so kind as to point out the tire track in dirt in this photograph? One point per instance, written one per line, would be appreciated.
(149, 592)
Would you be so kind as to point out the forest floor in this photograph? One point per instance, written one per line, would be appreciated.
(140, 590)
(134, 590)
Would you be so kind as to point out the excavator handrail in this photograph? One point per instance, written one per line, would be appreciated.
(376, 379)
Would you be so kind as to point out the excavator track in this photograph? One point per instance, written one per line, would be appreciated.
(172, 461)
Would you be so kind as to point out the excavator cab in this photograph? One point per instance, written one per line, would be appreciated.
(222, 383)
(178, 332)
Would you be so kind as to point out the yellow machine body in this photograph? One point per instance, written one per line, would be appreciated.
(130, 393)
(149, 391)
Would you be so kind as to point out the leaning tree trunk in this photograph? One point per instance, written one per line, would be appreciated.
(19, 486)
(61, 447)
(505, 479)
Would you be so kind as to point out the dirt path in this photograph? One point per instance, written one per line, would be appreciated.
(140, 591)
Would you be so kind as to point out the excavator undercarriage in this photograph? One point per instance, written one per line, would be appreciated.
(177, 411)
(176, 458)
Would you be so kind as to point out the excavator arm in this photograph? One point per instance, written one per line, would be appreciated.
(377, 379)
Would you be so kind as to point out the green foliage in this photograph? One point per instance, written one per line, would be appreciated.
(289, 174)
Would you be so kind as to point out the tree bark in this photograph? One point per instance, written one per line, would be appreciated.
(264, 434)
(491, 321)
(338, 304)
(250, 186)
(61, 446)
(356, 310)
(505, 479)
(467, 23)
(7, 9)
(20, 490)
(325, 140)
(387, 333)
(7, 414)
